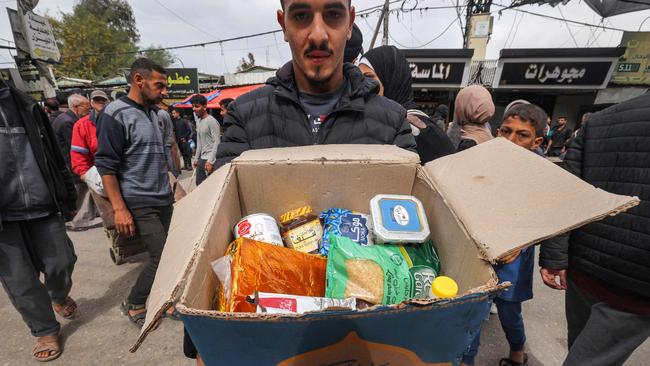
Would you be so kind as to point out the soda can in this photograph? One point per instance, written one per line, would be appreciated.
(259, 227)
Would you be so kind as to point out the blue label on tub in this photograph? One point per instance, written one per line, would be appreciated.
(400, 215)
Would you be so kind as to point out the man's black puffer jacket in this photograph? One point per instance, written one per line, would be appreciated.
(612, 152)
(272, 116)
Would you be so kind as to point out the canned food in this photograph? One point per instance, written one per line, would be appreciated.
(259, 227)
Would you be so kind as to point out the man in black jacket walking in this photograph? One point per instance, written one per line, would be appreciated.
(36, 196)
(315, 98)
(605, 266)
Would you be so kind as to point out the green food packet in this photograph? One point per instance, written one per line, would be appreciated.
(380, 274)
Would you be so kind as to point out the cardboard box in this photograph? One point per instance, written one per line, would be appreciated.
(482, 204)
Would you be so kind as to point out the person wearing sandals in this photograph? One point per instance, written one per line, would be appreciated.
(132, 161)
(523, 124)
(36, 198)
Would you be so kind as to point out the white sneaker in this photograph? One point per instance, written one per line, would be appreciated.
(493, 309)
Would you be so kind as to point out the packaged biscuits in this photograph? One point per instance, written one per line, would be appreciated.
(380, 274)
(346, 223)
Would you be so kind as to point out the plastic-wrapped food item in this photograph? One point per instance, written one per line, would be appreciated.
(301, 230)
(346, 223)
(265, 267)
(380, 274)
(282, 304)
(221, 268)
(398, 219)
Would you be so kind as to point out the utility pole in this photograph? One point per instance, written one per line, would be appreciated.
(386, 17)
(384, 13)
(474, 7)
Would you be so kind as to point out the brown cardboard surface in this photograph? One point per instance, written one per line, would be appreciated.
(507, 197)
(378, 154)
(186, 235)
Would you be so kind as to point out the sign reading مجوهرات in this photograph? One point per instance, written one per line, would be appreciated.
(182, 82)
(554, 74)
(634, 66)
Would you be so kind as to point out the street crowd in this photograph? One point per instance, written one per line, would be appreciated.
(115, 163)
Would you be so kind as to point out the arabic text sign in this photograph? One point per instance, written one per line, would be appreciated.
(634, 66)
(40, 38)
(437, 72)
(555, 74)
(182, 82)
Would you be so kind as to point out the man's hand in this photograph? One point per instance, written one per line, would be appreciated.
(83, 177)
(208, 167)
(124, 222)
(549, 277)
(195, 163)
(415, 121)
(510, 258)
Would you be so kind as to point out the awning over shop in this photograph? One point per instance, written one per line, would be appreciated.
(216, 96)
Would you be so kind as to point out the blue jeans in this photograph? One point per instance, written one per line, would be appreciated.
(512, 324)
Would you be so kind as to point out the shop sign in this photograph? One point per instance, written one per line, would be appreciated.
(555, 74)
(437, 73)
(634, 66)
(182, 82)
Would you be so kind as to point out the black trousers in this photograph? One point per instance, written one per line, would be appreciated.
(186, 153)
(27, 249)
(152, 225)
(201, 175)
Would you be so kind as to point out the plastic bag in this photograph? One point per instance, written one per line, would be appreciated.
(380, 274)
(221, 268)
(265, 267)
(94, 181)
(350, 224)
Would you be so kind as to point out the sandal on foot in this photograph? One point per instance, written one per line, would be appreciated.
(65, 309)
(509, 362)
(137, 319)
(52, 347)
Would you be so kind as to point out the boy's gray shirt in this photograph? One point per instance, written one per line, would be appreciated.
(208, 136)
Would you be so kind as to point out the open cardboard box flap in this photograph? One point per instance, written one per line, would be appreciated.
(378, 154)
(508, 198)
(193, 214)
(189, 222)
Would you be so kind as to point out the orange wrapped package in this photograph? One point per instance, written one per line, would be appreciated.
(264, 267)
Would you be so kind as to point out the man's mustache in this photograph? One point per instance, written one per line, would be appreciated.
(322, 47)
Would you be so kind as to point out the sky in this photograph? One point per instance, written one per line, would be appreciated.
(179, 22)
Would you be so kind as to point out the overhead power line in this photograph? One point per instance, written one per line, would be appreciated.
(182, 19)
(504, 7)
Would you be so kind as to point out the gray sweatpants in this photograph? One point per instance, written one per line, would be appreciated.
(599, 334)
(27, 249)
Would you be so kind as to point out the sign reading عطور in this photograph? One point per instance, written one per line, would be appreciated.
(554, 74)
(182, 82)
(40, 38)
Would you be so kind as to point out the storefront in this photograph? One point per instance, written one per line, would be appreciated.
(437, 75)
(563, 81)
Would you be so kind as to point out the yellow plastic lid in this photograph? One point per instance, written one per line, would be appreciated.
(444, 287)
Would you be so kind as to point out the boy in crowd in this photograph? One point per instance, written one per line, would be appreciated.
(208, 134)
(523, 124)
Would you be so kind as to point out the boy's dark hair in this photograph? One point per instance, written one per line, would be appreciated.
(199, 99)
(224, 103)
(529, 113)
(145, 66)
(52, 104)
(282, 3)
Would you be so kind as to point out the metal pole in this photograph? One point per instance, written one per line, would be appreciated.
(381, 17)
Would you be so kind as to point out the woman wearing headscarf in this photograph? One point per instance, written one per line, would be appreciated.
(473, 110)
(388, 66)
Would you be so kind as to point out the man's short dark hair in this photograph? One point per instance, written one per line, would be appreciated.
(529, 113)
(52, 104)
(225, 102)
(282, 3)
(199, 99)
(145, 66)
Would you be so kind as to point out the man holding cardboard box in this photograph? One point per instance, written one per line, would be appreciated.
(315, 98)
(605, 266)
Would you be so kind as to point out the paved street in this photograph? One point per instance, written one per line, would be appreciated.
(100, 335)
